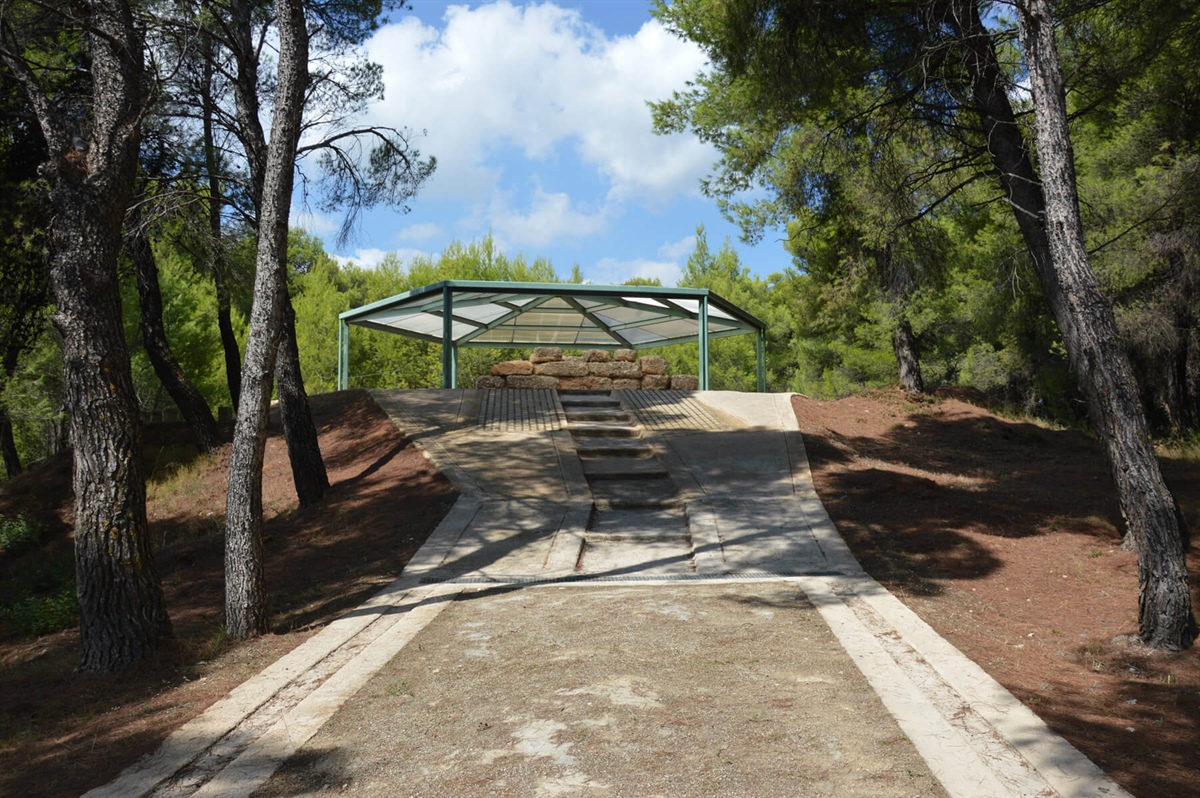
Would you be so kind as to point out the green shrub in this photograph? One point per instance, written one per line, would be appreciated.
(19, 534)
(32, 616)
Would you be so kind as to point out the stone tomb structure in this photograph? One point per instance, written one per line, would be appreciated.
(594, 370)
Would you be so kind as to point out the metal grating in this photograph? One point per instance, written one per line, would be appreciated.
(671, 410)
(520, 410)
(545, 580)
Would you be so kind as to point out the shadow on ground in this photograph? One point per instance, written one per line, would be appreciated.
(62, 733)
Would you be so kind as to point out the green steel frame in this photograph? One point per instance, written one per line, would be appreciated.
(514, 300)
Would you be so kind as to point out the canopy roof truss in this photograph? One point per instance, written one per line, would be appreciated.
(460, 313)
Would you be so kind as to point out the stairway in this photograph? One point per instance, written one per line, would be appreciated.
(638, 522)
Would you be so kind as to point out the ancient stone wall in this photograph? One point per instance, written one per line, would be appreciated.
(595, 370)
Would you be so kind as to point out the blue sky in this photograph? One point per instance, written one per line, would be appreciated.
(537, 115)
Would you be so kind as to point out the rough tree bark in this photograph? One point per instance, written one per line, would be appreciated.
(304, 452)
(1047, 214)
(192, 406)
(229, 344)
(898, 285)
(245, 591)
(8, 446)
(216, 205)
(308, 468)
(8, 443)
(904, 344)
(122, 614)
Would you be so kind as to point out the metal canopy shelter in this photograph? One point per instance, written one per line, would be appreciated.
(462, 313)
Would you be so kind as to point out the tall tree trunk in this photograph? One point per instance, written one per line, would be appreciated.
(1192, 377)
(245, 591)
(1050, 226)
(308, 469)
(122, 614)
(218, 264)
(192, 406)
(904, 343)
(897, 283)
(229, 344)
(8, 446)
(8, 443)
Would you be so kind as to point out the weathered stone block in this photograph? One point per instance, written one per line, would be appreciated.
(653, 364)
(585, 384)
(685, 382)
(625, 356)
(531, 381)
(489, 381)
(628, 371)
(546, 354)
(627, 385)
(565, 368)
(601, 369)
(656, 382)
(509, 367)
(596, 356)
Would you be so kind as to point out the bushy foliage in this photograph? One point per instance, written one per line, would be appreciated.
(18, 534)
(36, 615)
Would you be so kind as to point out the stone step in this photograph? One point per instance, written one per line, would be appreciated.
(651, 492)
(623, 468)
(613, 447)
(633, 496)
(569, 400)
(599, 414)
(650, 557)
(599, 429)
(652, 523)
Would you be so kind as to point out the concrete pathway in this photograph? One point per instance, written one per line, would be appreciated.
(757, 537)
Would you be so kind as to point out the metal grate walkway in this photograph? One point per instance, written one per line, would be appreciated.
(670, 410)
(520, 410)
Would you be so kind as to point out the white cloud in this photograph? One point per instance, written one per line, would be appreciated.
(422, 231)
(363, 258)
(550, 217)
(610, 271)
(312, 222)
(369, 258)
(540, 80)
(674, 250)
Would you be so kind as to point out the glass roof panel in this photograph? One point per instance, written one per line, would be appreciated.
(424, 323)
(640, 335)
(675, 328)
(536, 318)
(482, 313)
(713, 310)
(620, 315)
(392, 315)
(642, 300)
(644, 320)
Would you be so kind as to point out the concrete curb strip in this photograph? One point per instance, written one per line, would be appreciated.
(534, 519)
(262, 757)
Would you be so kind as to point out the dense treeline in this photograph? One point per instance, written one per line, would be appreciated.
(964, 199)
(971, 301)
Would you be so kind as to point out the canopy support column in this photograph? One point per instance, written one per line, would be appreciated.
(343, 356)
(760, 357)
(449, 349)
(703, 343)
